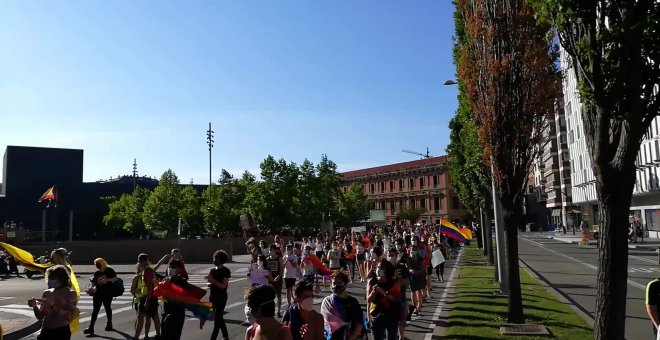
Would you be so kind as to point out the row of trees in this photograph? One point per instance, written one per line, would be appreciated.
(506, 58)
(287, 195)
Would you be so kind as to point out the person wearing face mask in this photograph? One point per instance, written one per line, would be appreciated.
(142, 288)
(57, 306)
(219, 279)
(384, 302)
(402, 275)
(417, 277)
(308, 271)
(261, 305)
(175, 254)
(276, 268)
(174, 314)
(361, 259)
(103, 281)
(291, 272)
(341, 312)
(305, 323)
(334, 255)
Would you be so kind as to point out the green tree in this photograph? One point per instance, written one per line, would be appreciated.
(126, 212)
(161, 211)
(306, 203)
(613, 48)
(190, 212)
(353, 206)
(411, 214)
(329, 182)
(512, 85)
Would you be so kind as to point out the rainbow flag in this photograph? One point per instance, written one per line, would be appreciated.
(173, 293)
(320, 268)
(450, 230)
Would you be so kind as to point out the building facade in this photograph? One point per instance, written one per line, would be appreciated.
(421, 184)
(645, 205)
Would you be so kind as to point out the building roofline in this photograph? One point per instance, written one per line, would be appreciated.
(394, 167)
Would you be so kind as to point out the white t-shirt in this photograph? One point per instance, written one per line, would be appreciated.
(259, 276)
(290, 267)
(334, 264)
(319, 246)
(308, 268)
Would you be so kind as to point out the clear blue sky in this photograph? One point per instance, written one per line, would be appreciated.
(357, 80)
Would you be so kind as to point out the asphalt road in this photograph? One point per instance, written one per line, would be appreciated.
(571, 269)
(15, 292)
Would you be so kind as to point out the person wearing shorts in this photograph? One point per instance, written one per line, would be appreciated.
(308, 270)
(291, 270)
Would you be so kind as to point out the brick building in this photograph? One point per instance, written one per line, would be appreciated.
(422, 183)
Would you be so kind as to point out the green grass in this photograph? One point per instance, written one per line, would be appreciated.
(475, 313)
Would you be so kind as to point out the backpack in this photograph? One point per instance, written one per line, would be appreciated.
(118, 287)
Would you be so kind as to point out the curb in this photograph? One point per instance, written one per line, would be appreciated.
(630, 246)
(23, 332)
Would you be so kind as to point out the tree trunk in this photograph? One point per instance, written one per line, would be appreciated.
(615, 197)
(512, 221)
(489, 238)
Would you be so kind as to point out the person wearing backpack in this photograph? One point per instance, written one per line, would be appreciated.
(104, 280)
(142, 288)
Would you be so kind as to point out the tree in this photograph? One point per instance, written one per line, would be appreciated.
(126, 212)
(353, 206)
(411, 214)
(190, 212)
(614, 49)
(506, 64)
(328, 187)
(161, 211)
(307, 203)
(224, 203)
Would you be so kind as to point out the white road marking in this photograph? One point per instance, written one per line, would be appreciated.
(102, 314)
(443, 298)
(638, 258)
(590, 266)
(23, 312)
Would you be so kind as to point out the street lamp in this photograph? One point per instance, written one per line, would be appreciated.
(209, 141)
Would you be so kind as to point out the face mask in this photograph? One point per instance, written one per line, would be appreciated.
(338, 289)
(53, 283)
(392, 259)
(171, 272)
(307, 304)
(380, 273)
(421, 253)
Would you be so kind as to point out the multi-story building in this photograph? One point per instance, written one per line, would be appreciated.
(645, 205)
(422, 184)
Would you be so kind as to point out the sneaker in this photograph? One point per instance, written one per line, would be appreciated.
(89, 331)
(108, 327)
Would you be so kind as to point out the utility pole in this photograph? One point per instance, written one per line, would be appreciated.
(209, 141)
(135, 173)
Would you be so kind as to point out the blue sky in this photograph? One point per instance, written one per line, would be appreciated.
(357, 80)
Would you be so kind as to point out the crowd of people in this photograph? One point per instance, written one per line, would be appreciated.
(397, 265)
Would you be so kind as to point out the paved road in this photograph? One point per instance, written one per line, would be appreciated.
(14, 293)
(571, 269)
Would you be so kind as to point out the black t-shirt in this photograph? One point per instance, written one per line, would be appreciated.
(352, 313)
(219, 274)
(274, 266)
(653, 293)
(108, 273)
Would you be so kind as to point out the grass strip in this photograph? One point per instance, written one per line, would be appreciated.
(475, 313)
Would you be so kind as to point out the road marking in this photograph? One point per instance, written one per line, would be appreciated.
(630, 282)
(102, 314)
(235, 304)
(23, 312)
(443, 298)
(638, 258)
(236, 280)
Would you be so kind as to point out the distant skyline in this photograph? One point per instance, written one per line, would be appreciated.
(358, 81)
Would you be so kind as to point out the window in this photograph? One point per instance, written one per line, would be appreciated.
(412, 203)
(421, 182)
(423, 202)
(392, 205)
(411, 185)
(571, 136)
(436, 204)
(581, 164)
(455, 202)
(371, 188)
(435, 181)
(382, 186)
(652, 219)
(400, 184)
(391, 185)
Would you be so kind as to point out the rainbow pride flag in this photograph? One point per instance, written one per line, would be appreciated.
(450, 230)
(173, 293)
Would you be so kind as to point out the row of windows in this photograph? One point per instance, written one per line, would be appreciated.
(401, 184)
(436, 204)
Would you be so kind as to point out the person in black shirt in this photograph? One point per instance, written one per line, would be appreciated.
(304, 321)
(104, 280)
(219, 280)
(342, 313)
(174, 314)
(276, 268)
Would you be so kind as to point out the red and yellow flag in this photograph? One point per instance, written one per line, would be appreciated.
(50, 195)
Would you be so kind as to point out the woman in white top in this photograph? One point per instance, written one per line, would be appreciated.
(291, 272)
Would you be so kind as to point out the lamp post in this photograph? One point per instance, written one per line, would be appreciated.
(209, 141)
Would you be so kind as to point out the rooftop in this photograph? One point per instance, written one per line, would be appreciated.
(396, 166)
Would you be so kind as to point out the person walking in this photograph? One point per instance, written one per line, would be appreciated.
(57, 306)
(385, 302)
(219, 279)
(103, 282)
(341, 312)
(145, 304)
(417, 277)
(291, 272)
(261, 304)
(174, 314)
(305, 323)
(276, 268)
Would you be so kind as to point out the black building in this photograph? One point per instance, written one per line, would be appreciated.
(29, 171)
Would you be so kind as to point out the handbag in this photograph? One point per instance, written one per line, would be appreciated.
(90, 290)
(118, 287)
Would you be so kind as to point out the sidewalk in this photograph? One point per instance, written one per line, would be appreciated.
(650, 244)
(17, 326)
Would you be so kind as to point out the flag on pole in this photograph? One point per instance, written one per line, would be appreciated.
(50, 195)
